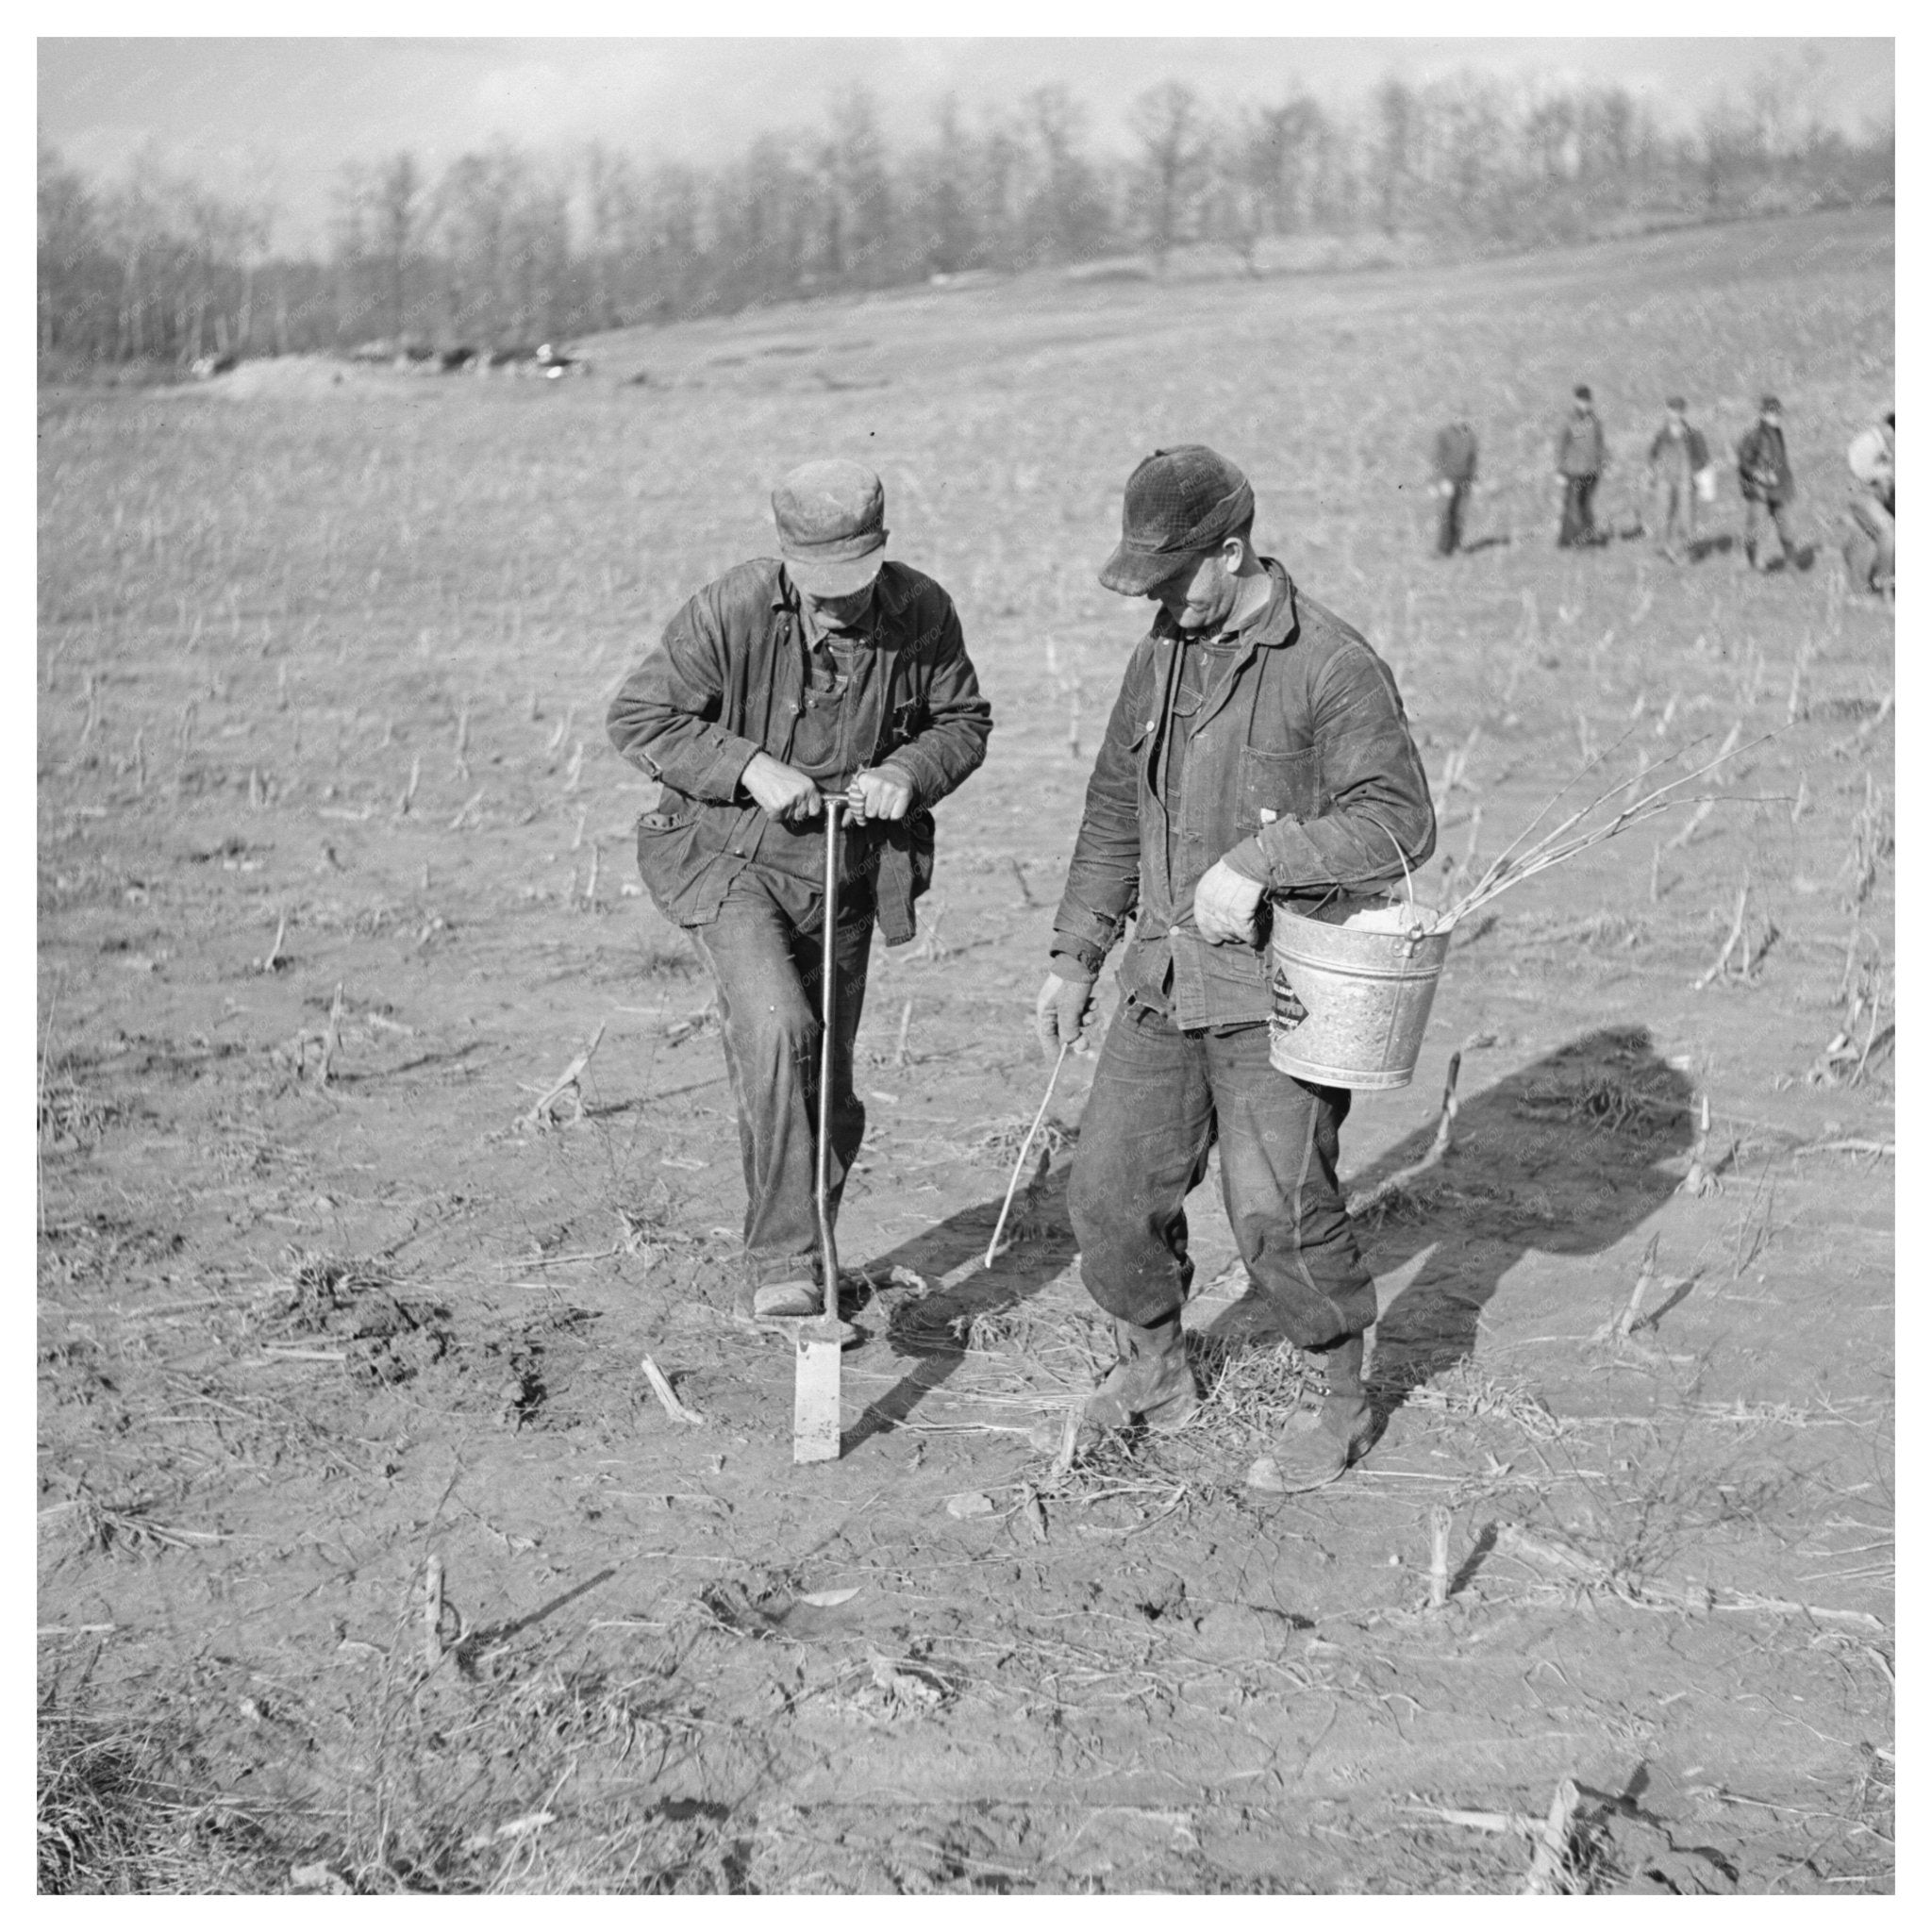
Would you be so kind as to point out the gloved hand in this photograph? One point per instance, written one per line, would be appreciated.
(1059, 1013)
(1224, 906)
(882, 792)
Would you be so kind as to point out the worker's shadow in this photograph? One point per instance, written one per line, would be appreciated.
(932, 1331)
(1566, 1157)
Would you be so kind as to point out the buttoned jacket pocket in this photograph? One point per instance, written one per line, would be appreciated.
(1279, 785)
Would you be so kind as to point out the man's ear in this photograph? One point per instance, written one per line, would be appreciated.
(1234, 552)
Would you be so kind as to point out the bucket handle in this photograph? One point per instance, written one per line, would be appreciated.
(1407, 876)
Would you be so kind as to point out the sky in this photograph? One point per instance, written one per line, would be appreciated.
(282, 116)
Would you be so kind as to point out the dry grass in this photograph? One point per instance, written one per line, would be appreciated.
(108, 1820)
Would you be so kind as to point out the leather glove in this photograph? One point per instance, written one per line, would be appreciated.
(1061, 1012)
(883, 792)
(1224, 906)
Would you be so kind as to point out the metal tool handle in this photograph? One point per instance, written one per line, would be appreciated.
(836, 805)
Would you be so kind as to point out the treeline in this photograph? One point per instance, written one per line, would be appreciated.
(509, 247)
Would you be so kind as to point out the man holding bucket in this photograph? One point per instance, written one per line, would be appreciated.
(1258, 753)
(825, 671)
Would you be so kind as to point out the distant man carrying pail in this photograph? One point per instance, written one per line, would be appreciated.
(1257, 751)
(1579, 465)
(1679, 459)
(825, 671)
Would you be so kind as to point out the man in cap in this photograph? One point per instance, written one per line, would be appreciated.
(1579, 463)
(1677, 452)
(1871, 542)
(1764, 476)
(825, 669)
(1257, 750)
(1455, 465)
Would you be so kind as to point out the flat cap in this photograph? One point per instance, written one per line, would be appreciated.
(831, 518)
(1770, 405)
(1676, 403)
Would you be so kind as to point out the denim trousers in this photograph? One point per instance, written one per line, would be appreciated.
(1677, 511)
(1161, 1098)
(767, 965)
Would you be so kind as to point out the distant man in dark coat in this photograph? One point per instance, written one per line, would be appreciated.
(1579, 463)
(1455, 479)
(1257, 750)
(824, 669)
(1677, 452)
(1764, 477)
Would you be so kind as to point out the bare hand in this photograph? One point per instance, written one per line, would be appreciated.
(884, 793)
(1224, 905)
(785, 794)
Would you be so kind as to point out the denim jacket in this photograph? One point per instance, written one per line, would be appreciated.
(1298, 769)
(727, 681)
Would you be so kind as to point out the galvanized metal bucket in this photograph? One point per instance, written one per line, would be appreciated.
(1352, 983)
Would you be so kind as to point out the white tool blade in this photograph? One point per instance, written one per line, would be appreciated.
(815, 1416)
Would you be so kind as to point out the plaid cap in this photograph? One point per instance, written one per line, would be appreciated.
(831, 518)
(1178, 504)
(1770, 405)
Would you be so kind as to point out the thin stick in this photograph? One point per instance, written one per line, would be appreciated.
(1718, 965)
(905, 1023)
(1438, 1147)
(1645, 1276)
(432, 1612)
(1549, 1864)
(564, 1082)
(1025, 1146)
(275, 952)
(677, 1411)
(332, 1039)
(1438, 1556)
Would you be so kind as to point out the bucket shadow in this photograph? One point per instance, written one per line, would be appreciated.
(1562, 1157)
(1018, 1273)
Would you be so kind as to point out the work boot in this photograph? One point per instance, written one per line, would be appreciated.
(1319, 1440)
(779, 1305)
(1150, 1382)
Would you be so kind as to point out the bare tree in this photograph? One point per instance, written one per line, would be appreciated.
(1398, 140)
(1169, 123)
(397, 190)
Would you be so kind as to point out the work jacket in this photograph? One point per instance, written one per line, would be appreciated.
(727, 681)
(1580, 446)
(1669, 447)
(1297, 767)
(1764, 471)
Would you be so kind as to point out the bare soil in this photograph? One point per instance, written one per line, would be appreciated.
(335, 883)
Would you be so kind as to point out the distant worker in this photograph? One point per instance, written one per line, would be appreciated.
(1579, 463)
(1678, 456)
(1871, 543)
(1764, 475)
(1455, 479)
